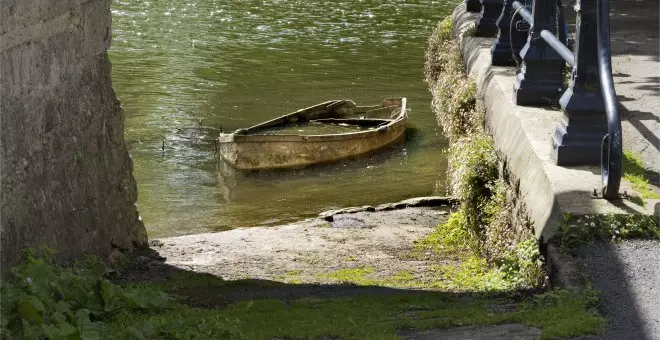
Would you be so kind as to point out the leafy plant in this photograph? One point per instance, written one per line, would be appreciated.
(442, 55)
(522, 265)
(486, 224)
(577, 231)
(473, 170)
(45, 300)
(450, 237)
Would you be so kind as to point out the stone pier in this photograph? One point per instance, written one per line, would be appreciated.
(66, 178)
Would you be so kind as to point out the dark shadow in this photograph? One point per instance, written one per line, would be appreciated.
(635, 118)
(205, 290)
(610, 268)
(603, 267)
(622, 98)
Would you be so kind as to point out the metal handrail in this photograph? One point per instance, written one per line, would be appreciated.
(524, 13)
(548, 36)
(612, 147)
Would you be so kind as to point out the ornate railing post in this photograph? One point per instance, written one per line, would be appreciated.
(540, 79)
(578, 138)
(473, 6)
(487, 24)
(510, 39)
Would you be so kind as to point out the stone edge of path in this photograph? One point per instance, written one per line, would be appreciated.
(427, 201)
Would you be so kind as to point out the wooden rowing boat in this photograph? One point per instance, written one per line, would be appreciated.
(272, 145)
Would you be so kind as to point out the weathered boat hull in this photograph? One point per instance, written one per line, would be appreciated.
(266, 151)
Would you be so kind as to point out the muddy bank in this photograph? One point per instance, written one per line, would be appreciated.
(380, 242)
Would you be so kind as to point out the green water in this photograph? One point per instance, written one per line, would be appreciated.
(184, 70)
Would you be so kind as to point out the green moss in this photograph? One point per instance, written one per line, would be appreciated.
(366, 277)
(635, 173)
(356, 276)
(291, 277)
(450, 239)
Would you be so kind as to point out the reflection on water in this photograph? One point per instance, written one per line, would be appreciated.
(186, 70)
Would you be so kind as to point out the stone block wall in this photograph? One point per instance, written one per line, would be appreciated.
(66, 175)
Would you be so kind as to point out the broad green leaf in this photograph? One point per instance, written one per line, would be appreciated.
(89, 330)
(61, 331)
(30, 309)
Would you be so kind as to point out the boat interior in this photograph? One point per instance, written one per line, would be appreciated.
(337, 116)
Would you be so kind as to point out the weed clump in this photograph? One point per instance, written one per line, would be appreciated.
(504, 250)
(584, 230)
(442, 55)
(473, 171)
(454, 94)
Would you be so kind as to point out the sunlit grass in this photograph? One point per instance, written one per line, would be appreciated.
(558, 314)
(635, 173)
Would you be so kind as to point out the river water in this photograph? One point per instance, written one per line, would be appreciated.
(183, 70)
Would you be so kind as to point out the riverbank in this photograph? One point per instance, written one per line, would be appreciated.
(364, 272)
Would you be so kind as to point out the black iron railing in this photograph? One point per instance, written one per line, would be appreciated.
(533, 37)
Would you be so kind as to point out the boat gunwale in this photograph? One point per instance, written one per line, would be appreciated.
(301, 138)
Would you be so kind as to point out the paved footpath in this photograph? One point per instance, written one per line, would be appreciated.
(636, 67)
(628, 274)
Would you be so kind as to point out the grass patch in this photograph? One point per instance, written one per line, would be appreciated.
(450, 239)
(362, 317)
(635, 173)
(77, 302)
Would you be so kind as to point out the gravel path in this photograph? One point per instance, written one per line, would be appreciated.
(628, 274)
